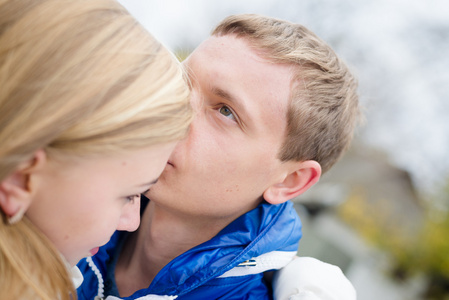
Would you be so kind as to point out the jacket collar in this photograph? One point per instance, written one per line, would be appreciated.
(261, 230)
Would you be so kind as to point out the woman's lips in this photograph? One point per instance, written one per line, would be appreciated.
(94, 251)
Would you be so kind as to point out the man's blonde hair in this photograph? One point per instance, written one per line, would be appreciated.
(78, 78)
(324, 106)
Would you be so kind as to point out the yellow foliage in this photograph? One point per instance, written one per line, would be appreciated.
(427, 252)
(182, 54)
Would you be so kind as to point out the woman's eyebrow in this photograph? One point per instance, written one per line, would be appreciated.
(149, 183)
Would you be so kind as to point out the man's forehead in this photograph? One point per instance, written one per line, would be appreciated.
(227, 45)
(235, 71)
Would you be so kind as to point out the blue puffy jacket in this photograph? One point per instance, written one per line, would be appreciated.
(228, 266)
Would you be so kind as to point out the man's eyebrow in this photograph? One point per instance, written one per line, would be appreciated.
(242, 110)
(223, 94)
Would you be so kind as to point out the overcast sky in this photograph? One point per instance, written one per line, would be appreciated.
(398, 48)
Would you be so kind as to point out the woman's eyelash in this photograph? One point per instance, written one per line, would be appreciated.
(132, 198)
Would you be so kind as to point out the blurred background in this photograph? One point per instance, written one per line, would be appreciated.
(381, 213)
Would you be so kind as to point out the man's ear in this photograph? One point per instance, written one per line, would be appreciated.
(304, 175)
(15, 193)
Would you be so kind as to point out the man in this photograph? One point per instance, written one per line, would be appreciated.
(275, 108)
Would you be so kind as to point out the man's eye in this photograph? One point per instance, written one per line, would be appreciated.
(227, 112)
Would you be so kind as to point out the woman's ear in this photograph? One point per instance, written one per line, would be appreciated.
(304, 175)
(15, 194)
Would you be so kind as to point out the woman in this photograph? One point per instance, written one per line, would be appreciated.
(90, 109)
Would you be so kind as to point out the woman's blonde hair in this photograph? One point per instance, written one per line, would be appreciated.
(78, 78)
